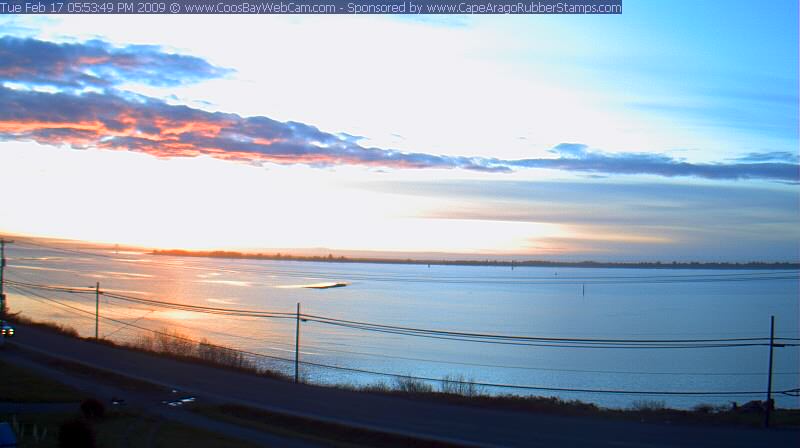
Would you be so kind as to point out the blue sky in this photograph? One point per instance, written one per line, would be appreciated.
(664, 133)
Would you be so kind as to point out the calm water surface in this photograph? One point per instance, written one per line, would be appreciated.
(548, 302)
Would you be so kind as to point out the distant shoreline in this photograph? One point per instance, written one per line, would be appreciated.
(524, 263)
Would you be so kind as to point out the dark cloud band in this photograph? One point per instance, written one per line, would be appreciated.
(97, 64)
(163, 130)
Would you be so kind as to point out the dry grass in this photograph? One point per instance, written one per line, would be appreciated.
(178, 345)
(648, 406)
(410, 385)
(172, 344)
(51, 326)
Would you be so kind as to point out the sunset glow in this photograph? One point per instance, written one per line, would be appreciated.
(440, 146)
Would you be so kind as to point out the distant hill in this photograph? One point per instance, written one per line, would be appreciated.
(540, 263)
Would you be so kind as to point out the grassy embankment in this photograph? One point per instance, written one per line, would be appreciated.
(171, 344)
(21, 386)
(116, 429)
(40, 429)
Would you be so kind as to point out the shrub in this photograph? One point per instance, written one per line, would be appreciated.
(143, 342)
(412, 385)
(704, 408)
(59, 328)
(76, 434)
(458, 385)
(223, 356)
(174, 343)
(378, 387)
(648, 405)
(92, 408)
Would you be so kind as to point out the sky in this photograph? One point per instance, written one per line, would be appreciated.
(669, 132)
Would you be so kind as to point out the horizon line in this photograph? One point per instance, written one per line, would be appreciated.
(388, 257)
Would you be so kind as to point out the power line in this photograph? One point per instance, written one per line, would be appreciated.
(500, 366)
(68, 289)
(22, 291)
(554, 345)
(27, 292)
(323, 319)
(726, 393)
(61, 249)
(148, 312)
(91, 290)
(542, 388)
(202, 309)
(164, 304)
(108, 335)
(443, 334)
(418, 378)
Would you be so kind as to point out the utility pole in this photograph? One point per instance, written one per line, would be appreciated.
(97, 311)
(769, 378)
(3, 243)
(297, 347)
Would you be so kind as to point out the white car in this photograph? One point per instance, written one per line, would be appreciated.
(6, 329)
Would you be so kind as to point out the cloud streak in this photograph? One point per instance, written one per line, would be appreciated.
(780, 156)
(84, 109)
(699, 220)
(97, 64)
(577, 157)
(154, 127)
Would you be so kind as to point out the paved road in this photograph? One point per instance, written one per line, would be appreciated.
(457, 424)
(150, 403)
